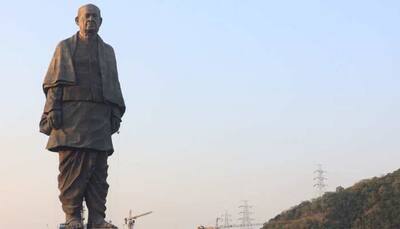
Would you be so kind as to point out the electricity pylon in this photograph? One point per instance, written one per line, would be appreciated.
(319, 180)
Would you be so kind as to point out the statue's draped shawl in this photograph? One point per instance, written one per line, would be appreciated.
(61, 70)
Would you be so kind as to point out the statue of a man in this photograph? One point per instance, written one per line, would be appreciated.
(84, 106)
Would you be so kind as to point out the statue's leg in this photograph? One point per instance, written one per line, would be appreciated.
(75, 170)
(97, 189)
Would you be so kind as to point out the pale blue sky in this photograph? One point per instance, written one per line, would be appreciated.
(226, 100)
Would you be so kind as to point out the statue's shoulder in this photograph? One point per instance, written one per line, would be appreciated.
(108, 50)
(67, 43)
(108, 47)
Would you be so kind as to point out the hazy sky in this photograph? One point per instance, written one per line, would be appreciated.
(226, 101)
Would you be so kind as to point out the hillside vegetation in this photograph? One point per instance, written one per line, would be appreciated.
(372, 203)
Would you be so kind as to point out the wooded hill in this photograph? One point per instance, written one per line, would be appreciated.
(369, 204)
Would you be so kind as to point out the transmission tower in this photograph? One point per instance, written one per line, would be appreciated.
(226, 218)
(245, 219)
(245, 215)
(319, 180)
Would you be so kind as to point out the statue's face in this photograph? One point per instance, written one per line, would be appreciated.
(88, 20)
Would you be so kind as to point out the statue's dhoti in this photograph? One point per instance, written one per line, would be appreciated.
(83, 175)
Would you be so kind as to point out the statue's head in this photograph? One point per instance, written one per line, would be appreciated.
(89, 20)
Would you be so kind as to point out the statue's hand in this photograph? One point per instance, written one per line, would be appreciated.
(115, 124)
(55, 119)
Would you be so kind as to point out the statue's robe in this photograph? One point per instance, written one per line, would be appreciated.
(91, 95)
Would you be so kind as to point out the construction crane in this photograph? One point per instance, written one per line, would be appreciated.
(130, 221)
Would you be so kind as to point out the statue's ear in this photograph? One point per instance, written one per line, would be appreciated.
(77, 21)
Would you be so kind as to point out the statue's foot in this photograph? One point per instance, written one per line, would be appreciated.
(74, 223)
(103, 225)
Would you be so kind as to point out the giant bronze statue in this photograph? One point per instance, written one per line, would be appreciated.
(84, 106)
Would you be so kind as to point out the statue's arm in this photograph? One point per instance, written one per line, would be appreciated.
(53, 99)
(54, 117)
(52, 114)
(116, 116)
